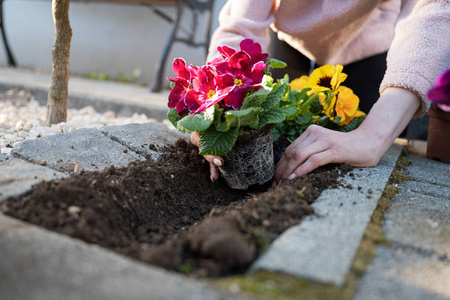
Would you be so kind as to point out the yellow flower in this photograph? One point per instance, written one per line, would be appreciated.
(299, 84)
(327, 77)
(345, 105)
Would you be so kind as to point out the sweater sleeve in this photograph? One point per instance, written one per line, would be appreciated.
(241, 19)
(420, 49)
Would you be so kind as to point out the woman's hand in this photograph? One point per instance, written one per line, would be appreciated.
(319, 146)
(214, 161)
(363, 147)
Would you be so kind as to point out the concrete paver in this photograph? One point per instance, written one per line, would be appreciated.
(427, 170)
(144, 139)
(18, 176)
(322, 247)
(419, 221)
(405, 274)
(416, 265)
(87, 147)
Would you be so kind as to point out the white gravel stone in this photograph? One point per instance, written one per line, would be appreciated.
(6, 150)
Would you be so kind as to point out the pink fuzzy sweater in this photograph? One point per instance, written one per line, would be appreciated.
(416, 33)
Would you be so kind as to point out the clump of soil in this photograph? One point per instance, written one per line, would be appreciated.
(170, 214)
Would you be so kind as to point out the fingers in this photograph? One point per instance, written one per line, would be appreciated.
(195, 139)
(313, 162)
(214, 172)
(214, 161)
(302, 160)
(314, 148)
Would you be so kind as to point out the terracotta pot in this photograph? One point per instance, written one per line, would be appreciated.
(250, 161)
(438, 141)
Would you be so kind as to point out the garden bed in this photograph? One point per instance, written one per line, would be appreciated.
(170, 214)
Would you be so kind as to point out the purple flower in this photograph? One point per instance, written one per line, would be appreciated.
(440, 92)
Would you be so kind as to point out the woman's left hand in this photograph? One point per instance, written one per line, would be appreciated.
(319, 146)
(362, 147)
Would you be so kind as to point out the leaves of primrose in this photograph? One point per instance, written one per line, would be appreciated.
(243, 117)
(213, 142)
(275, 63)
(274, 96)
(255, 99)
(173, 117)
(198, 122)
(275, 115)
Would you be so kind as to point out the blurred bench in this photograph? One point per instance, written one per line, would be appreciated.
(196, 7)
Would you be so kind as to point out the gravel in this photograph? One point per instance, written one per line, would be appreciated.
(23, 118)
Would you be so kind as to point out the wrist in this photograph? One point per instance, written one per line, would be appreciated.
(389, 117)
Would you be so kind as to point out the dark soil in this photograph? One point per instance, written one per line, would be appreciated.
(170, 214)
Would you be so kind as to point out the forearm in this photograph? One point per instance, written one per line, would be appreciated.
(389, 117)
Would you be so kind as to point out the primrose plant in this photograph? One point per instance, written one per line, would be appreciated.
(229, 96)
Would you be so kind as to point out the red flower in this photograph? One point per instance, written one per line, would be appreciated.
(182, 86)
(209, 88)
(246, 77)
(254, 50)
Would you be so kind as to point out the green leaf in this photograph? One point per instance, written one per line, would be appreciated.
(315, 106)
(213, 142)
(304, 119)
(173, 117)
(274, 96)
(275, 115)
(275, 63)
(255, 99)
(198, 122)
(243, 117)
(324, 121)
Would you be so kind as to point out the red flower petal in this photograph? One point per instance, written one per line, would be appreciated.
(240, 61)
(180, 69)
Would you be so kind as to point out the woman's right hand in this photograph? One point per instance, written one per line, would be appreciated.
(214, 161)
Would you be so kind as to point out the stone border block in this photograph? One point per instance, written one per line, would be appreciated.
(147, 139)
(322, 247)
(87, 147)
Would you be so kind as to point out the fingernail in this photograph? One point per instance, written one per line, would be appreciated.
(292, 176)
(217, 162)
(212, 178)
(274, 184)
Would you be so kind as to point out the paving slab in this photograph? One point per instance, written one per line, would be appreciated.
(405, 274)
(18, 176)
(427, 170)
(426, 188)
(44, 265)
(87, 147)
(322, 247)
(147, 139)
(419, 221)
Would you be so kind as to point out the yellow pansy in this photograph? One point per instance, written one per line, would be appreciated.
(327, 77)
(299, 84)
(345, 105)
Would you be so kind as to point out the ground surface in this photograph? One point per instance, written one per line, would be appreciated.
(170, 214)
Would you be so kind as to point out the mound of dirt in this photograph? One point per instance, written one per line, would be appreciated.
(170, 214)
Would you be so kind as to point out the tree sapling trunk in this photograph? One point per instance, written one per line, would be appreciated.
(57, 96)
